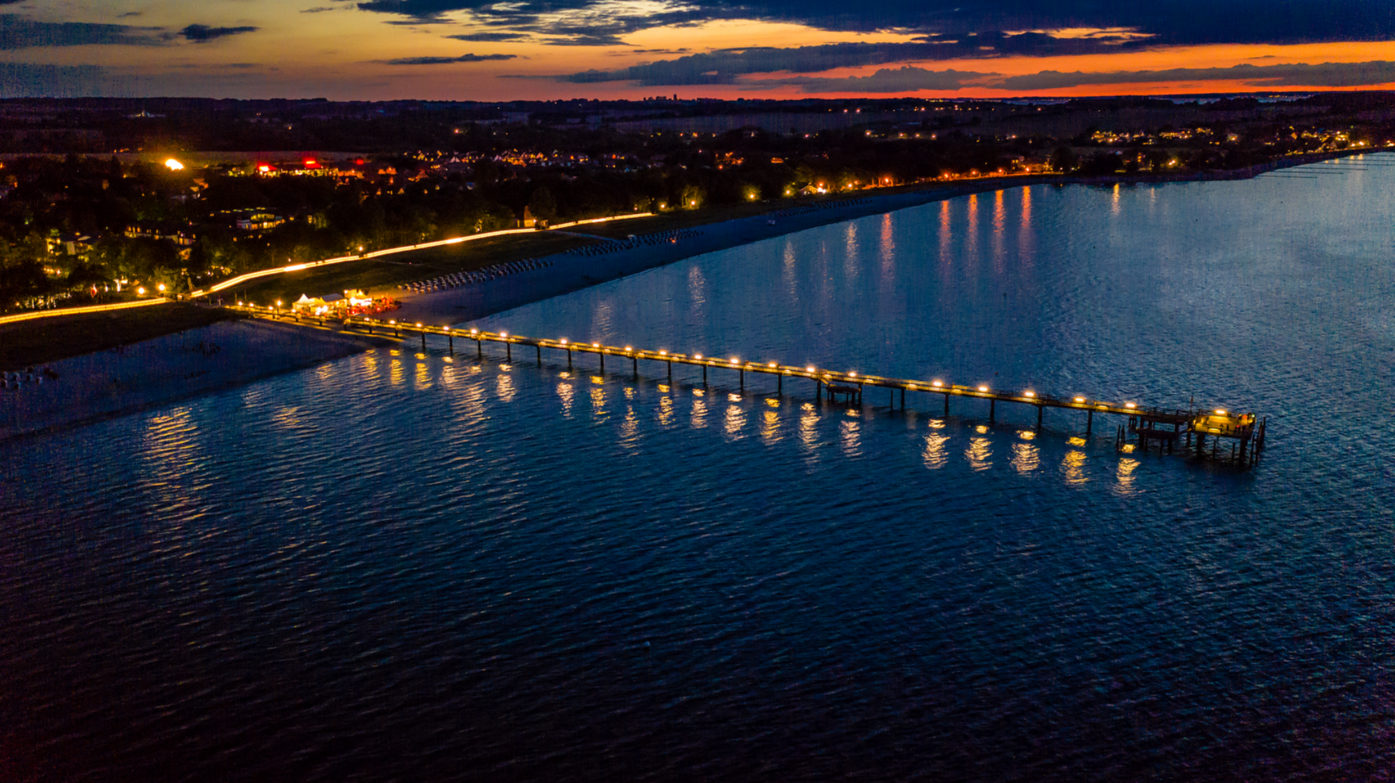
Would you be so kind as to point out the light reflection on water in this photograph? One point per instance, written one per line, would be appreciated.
(338, 575)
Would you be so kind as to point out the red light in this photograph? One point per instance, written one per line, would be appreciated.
(311, 163)
(359, 161)
(264, 168)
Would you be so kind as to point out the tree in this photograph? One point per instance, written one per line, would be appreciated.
(542, 204)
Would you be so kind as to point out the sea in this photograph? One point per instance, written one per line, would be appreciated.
(424, 565)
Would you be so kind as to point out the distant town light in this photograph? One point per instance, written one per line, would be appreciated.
(174, 165)
(1220, 411)
(141, 291)
(161, 287)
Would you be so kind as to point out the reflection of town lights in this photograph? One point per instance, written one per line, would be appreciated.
(174, 165)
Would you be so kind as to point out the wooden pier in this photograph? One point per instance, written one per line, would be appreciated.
(1200, 432)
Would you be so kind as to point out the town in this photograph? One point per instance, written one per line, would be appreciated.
(167, 198)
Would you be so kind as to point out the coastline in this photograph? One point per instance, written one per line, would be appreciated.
(568, 272)
(162, 370)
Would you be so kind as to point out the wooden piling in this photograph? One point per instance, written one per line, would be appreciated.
(1089, 422)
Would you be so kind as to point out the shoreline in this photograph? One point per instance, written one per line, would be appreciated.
(569, 272)
(163, 370)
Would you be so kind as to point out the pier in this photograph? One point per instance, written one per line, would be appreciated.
(1213, 434)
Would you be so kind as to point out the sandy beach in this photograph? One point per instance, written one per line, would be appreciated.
(163, 370)
(571, 271)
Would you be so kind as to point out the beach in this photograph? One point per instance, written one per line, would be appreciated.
(574, 270)
(162, 370)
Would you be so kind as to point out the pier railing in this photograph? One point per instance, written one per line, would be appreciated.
(1150, 423)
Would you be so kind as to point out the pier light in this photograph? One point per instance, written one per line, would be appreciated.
(1220, 411)
(697, 356)
(393, 321)
(240, 304)
(1129, 405)
(628, 349)
(595, 345)
(1029, 394)
(852, 373)
(278, 302)
(937, 384)
(447, 328)
(504, 335)
(564, 341)
(474, 331)
(1079, 399)
(983, 388)
(418, 324)
(734, 360)
(772, 364)
(662, 352)
(810, 368)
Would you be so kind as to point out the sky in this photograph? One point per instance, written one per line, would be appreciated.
(493, 50)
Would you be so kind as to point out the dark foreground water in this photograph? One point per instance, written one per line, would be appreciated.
(403, 566)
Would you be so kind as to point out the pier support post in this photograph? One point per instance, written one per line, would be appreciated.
(704, 376)
(508, 349)
(903, 400)
(479, 348)
(670, 371)
(992, 411)
(946, 405)
(780, 385)
(743, 381)
(860, 389)
(602, 362)
(450, 339)
(569, 359)
(1039, 410)
(1089, 423)
(634, 362)
(423, 342)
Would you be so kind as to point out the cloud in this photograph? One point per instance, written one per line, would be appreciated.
(464, 58)
(501, 37)
(35, 80)
(721, 66)
(16, 32)
(1365, 74)
(202, 33)
(1173, 22)
(319, 9)
(126, 15)
(886, 80)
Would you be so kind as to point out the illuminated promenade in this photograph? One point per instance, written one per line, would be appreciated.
(1165, 426)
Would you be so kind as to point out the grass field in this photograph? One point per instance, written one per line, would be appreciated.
(37, 342)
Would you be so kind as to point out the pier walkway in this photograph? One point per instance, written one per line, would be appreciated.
(1167, 427)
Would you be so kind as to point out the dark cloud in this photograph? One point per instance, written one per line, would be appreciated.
(1264, 76)
(719, 67)
(319, 9)
(1172, 22)
(201, 33)
(128, 14)
(887, 80)
(16, 32)
(465, 58)
(34, 80)
(491, 37)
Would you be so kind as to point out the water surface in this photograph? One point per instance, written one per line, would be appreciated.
(409, 565)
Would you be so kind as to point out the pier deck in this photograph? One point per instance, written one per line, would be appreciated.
(1143, 421)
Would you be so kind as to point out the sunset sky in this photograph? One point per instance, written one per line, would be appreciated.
(544, 49)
